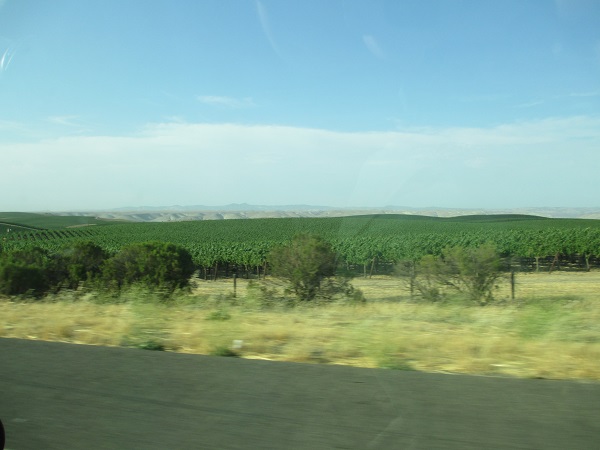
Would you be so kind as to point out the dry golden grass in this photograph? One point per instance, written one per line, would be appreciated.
(552, 330)
(83, 323)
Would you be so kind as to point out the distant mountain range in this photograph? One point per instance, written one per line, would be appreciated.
(247, 211)
(230, 207)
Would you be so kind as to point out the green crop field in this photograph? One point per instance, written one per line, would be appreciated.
(45, 221)
(359, 240)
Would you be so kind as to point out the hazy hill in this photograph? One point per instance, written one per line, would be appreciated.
(246, 211)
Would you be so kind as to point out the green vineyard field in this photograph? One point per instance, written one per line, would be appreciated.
(46, 221)
(358, 240)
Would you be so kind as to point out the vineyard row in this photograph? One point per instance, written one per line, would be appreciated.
(363, 244)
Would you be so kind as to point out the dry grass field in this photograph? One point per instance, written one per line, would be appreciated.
(551, 330)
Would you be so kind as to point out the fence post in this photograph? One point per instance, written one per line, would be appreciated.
(512, 284)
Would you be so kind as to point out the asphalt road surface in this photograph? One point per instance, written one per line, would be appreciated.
(64, 396)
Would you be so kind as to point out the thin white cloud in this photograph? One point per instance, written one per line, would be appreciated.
(266, 26)
(11, 125)
(182, 163)
(6, 58)
(477, 98)
(226, 102)
(174, 119)
(69, 121)
(570, 95)
(530, 104)
(373, 46)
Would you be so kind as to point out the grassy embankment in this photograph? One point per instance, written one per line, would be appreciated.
(552, 330)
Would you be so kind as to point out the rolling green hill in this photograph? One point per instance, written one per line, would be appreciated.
(21, 221)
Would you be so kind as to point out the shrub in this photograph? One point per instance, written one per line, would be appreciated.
(18, 278)
(80, 263)
(24, 272)
(224, 351)
(219, 315)
(432, 271)
(473, 271)
(152, 345)
(306, 262)
(153, 264)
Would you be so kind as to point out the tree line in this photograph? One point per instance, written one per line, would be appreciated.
(309, 264)
(36, 271)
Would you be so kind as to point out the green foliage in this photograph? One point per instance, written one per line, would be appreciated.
(152, 345)
(358, 241)
(37, 271)
(396, 364)
(32, 256)
(366, 243)
(19, 279)
(48, 220)
(473, 271)
(7, 228)
(332, 288)
(78, 263)
(153, 264)
(355, 296)
(266, 294)
(224, 351)
(24, 272)
(219, 315)
(306, 263)
(432, 272)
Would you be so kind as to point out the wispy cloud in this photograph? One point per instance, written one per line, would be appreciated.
(266, 26)
(69, 125)
(13, 126)
(373, 46)
(560, 97)
(68, 121)
(484, 98)
(226, 102)
(6, 58)
(530, 104)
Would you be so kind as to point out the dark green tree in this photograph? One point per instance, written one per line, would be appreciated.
(308, 263)
(154, 264)
(24, 272)
(78, 263)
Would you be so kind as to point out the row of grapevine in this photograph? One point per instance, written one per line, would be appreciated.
(359, 241)
(45, 235)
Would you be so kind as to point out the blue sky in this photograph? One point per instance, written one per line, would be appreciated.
(449, 103)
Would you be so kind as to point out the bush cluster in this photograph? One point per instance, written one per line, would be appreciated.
(309, 265)
(36, 272)
(472, 271)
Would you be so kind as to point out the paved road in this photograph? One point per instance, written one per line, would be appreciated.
(64, 396)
